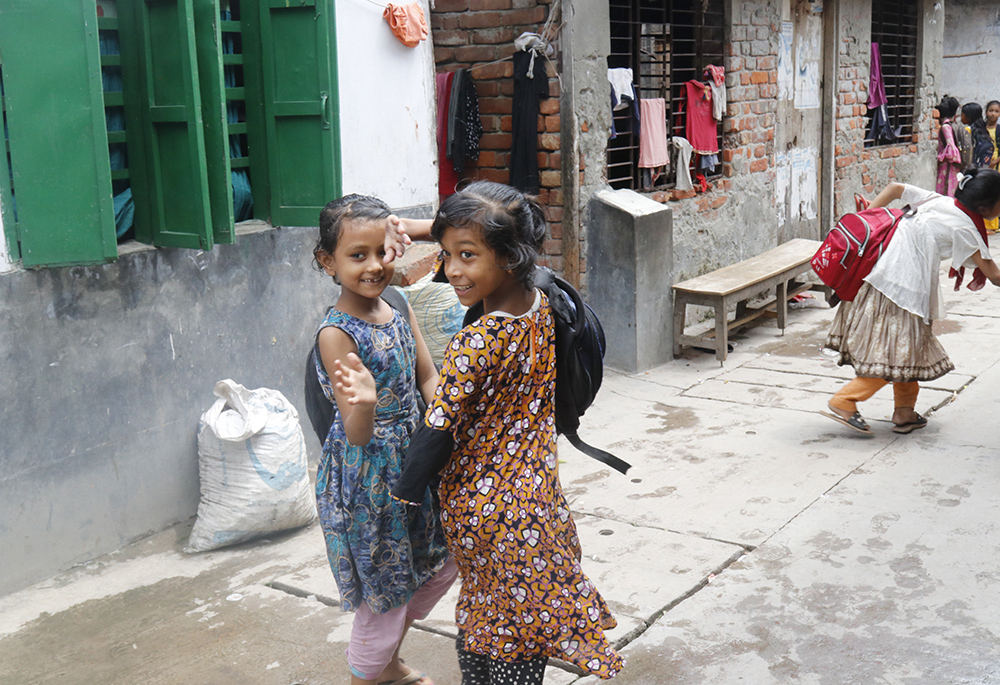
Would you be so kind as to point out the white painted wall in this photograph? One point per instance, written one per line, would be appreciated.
(971, 26)
(387, 108)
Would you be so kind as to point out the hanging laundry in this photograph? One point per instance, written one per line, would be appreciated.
(717, 82)
(876, 86)
(623, 96)
(653, 150)
(407, 23)
(880, 130)
(622, 89)
(531, 84)
(447, 178)
(701, 128)
(684, 150)
(464, 126)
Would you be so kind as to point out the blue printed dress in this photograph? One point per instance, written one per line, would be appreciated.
(379, 549)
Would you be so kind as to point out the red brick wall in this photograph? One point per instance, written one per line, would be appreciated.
(473, 33)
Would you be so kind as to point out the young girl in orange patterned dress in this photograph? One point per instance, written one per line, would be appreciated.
(491, 426)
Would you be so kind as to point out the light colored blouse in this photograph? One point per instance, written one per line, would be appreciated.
(908, 271)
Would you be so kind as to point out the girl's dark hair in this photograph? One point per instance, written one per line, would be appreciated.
(991, 103)
(982, 189)
(513, 224)
(350, 207)
(973, 112)
(947, 107)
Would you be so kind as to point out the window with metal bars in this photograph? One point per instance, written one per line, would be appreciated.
(894, 29)
(665, 43)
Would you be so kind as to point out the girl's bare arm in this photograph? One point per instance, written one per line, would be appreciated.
(891, 192)
(988, 267)
(353, 385)
(427, 375)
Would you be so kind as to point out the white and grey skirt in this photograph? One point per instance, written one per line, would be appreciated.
(882, 340)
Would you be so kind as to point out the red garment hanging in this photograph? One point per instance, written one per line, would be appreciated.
(701, 130)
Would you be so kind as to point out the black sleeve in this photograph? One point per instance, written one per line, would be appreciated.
(428, 453)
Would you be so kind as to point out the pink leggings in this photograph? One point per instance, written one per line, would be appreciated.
(374, 637)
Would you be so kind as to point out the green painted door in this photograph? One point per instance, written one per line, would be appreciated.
(58, 142)
(167, 157)
(300, 109)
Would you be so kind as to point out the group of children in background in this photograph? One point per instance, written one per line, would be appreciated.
(499, 515)
(966, 139)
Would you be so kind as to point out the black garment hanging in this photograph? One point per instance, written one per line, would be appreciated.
(528, 90)
(464, 126)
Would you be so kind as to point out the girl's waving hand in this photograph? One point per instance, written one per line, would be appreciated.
(355, 381)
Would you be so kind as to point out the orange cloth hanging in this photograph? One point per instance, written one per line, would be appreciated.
(407, 23)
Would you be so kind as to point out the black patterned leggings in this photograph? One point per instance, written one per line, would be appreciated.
(482, 670)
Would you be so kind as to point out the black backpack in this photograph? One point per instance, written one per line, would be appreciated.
(318, 407)
(580, 348)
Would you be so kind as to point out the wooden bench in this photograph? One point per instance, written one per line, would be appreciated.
(735, 284)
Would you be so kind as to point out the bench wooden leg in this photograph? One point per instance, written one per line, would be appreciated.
(721, 332)
(782, 305)
(680, 307)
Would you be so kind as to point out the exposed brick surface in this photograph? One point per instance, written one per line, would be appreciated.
(473, 33)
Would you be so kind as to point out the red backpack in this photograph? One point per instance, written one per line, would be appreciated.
(852, 248)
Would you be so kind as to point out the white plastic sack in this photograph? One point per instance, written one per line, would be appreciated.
(253, 468)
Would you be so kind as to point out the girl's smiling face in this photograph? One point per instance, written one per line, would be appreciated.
(357, 259)
(473, 270)
(992, 114)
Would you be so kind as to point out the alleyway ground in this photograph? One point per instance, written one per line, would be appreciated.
(754, 541)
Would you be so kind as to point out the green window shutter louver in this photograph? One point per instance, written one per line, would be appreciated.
(163, 105)
(56, 124)
(301, 118)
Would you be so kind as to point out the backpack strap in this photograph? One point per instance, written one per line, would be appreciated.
(600, 455)
(397, 301)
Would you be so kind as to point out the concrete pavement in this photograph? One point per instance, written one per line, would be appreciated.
(754, 541)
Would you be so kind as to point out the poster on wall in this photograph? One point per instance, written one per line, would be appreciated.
(781, 186)
(804, 185)
(786, 73)
(807, 55)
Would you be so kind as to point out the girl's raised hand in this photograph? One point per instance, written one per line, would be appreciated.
(355, 381)
(396, 238)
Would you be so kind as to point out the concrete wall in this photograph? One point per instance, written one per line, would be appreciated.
(972, 50)
(106, 370)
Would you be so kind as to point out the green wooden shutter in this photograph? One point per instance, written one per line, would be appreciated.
(208, 37)
(300, 110)
(167, 152)
(58, 141)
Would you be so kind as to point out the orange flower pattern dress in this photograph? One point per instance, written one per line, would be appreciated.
(524, 594)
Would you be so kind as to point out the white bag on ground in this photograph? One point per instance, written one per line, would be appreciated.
(253, 468)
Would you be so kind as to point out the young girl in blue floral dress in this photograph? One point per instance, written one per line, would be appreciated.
(390, 564)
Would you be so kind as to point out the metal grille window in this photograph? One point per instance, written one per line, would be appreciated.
(666, 43)
(894, 29)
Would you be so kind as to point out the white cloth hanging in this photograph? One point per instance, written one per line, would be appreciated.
(621, 87)
(684, 151)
